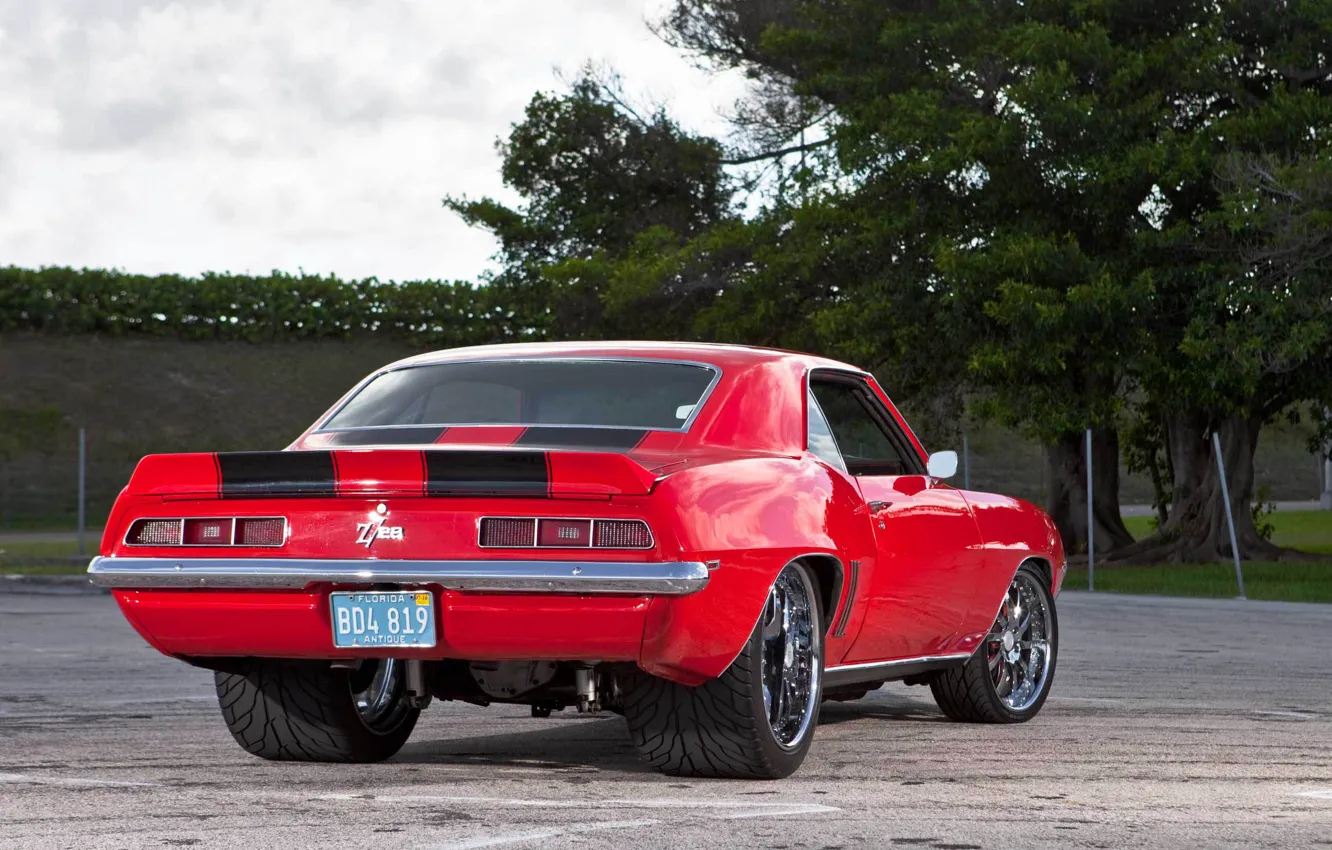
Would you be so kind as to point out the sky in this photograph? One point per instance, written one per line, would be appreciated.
(252, 135)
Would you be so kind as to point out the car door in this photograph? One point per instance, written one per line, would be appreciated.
(927, 540)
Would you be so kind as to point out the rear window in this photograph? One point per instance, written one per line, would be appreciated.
(657, 395)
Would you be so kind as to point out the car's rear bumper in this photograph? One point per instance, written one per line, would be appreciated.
(676, 619)
(202, 624)
(669, 578)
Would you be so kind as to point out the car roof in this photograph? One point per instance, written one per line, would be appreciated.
(716, 354)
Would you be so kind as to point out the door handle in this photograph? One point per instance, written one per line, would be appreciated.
(879, 507)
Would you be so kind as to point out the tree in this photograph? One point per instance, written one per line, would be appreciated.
(1258, 342)
(1058, 166)
(600, 183)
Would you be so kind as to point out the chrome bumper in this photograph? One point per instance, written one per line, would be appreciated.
(671, 578)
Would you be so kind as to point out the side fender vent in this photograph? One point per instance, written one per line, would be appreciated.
(844, 617)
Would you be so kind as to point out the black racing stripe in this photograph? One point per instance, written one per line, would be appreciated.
(609, 439)
(276, 474)
(385, 436)
(498, 473)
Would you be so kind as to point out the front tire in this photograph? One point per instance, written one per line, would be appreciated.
(308, 711)
(1009, 676)
(754, 721)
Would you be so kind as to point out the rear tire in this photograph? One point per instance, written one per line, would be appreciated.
(991, 688)
(308, 711)
(725, 727)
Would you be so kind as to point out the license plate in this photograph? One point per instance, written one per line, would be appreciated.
(383, 618)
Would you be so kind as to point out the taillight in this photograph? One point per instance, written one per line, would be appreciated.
(154, 532)
(261, 531)
(622, 534)
(504, 533)
(558, 533)
(208, 531)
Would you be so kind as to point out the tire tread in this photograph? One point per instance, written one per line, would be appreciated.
(301, 712)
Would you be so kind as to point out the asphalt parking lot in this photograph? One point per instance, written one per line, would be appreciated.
(1173, 723)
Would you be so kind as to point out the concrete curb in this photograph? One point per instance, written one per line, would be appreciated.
(71, 585)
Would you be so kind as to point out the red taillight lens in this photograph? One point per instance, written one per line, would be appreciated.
(576, 533)
(508, 533)
(154, 532)
(267, 531)
(622, 534)
(554, 533)
(207, 532)
(196, 531)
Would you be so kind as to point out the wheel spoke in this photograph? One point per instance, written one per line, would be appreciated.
(772, 625)
(1024, 625)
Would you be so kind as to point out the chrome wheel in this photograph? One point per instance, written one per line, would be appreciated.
(791, 657)
(1018, 645)
(377, 690)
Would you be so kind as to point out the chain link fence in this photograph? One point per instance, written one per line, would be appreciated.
(40, 491)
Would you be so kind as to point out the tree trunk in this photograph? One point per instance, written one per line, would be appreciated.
(1196, 529)
(1067, 504)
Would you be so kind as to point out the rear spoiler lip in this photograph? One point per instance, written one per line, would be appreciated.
(434, 472)
(626, 578)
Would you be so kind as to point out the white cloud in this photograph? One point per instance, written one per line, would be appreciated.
(248, 135)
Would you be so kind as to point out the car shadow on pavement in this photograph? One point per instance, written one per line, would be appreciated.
(881, 705)
(578, 745)
(571, 744)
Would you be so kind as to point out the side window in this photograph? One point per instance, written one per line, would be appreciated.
(866, 447)
(820, 440)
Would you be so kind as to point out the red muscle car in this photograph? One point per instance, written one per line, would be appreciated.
(707, 539)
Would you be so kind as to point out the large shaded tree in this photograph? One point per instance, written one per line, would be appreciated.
(1257, 344)
(1059, 162)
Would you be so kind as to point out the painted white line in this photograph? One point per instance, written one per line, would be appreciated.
(1298, 715)
(71, 782)
(541, 834)
(1320, 794)
(725, 809)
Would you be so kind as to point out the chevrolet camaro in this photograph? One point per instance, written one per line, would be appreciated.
(708, 540)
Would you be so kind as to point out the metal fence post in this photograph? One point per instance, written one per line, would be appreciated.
(83, 485)
(1091, 521)
(1230, 518)
(966, 463)
(1326, 496)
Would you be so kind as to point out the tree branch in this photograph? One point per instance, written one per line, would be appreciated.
(759, 157)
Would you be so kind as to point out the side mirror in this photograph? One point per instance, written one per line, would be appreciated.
(942, 464)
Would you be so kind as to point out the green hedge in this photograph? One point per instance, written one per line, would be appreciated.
(242, 307)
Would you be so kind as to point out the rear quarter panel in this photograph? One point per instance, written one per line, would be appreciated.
(752, 517)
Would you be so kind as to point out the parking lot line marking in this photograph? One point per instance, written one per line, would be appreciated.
(726, 809)
(541, 834)
(156, 700)
(1298, 715)
(71, 782)
(1319, 794)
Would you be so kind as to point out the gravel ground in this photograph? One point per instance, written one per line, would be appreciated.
(1173, 723)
